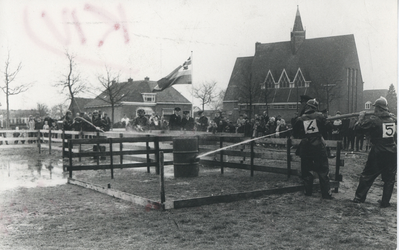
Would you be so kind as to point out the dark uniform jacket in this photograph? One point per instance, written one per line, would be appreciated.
(382, 131)
(67, 124)
(203, 123)
(310, 127)
(175, 122)
(187, 124)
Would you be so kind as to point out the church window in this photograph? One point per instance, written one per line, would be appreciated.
(299, 80)
(367, 105)
(284, 81)
(270, 83)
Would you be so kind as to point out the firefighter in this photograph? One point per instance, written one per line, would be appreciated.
(382, 157)
(312, 149)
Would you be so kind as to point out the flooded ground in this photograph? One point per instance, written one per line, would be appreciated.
(30, 174)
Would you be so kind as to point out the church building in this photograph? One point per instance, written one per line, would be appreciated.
(275, 77)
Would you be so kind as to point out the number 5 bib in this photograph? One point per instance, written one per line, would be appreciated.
(388, 129)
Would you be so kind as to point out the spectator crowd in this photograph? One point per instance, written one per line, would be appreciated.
(257, 126)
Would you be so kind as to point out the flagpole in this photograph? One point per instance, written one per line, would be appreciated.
(192, 83)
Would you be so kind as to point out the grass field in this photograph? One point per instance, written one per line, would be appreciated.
(71, 217)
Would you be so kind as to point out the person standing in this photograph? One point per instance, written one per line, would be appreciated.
(187, 122)
(175, 120)
(312, 149)
(125, 120)
(383, 154)
(140, 123)
(107, 122)
(336, 128)
(202, 123)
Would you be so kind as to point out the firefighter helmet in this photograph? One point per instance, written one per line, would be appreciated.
(381, 103)
(313, 103)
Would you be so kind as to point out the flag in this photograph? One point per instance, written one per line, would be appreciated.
(181, 75)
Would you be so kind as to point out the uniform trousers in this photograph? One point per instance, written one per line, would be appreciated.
(383, 163)
(320, 166)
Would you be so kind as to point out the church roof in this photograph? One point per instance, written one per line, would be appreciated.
(298, 22)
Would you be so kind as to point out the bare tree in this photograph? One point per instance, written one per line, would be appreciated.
(72, 82)
(113, 92)
(206, 92)
(249, 92)
(42, 109)
(8, 88)
(328, 90)
(392, 99)
(58, 111)
(217, 103)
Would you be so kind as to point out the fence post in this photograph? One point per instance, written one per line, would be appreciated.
(98, 149)
(157, 152)
(147, 144)
(337, 163)
(162, 183)
(38, 142)
(49, 141)
(252, 157)
(221, 154)
(289, 144)
(70, 157)
(121, 149)
(112, 158)
(63, 143)
(80, 136)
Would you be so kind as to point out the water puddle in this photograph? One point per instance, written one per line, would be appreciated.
(30, 174)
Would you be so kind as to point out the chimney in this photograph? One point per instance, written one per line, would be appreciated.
(130, 80)
(147, 78)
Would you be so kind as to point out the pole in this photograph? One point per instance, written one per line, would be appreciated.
(348, 115)
(162, 182)
(328, 102)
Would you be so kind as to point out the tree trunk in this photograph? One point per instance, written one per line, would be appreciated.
(8, 110)
(112, 115)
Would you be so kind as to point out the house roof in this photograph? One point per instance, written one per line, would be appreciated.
(134, 91)
(320, 60)
(370, 95)
(80, 103)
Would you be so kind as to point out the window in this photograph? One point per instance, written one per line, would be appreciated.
(149, 97)
(292, 106)
(284, 81)
(367, 105)
(278, 106)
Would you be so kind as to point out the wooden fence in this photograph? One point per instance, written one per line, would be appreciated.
(256, 150)
(115, 147)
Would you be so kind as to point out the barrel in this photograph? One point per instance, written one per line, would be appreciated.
(185, 152)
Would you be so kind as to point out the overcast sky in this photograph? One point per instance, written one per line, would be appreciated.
(152, 37)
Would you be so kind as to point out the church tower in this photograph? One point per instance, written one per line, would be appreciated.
(298, 34)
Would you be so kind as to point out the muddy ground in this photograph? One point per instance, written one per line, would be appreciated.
(70, 217)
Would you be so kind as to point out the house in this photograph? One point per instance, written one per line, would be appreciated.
(369, 97)
(18, 118)
(138, 95)
(275, 77)
(79, 104)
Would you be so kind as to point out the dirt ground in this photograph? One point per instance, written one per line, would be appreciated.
(71, 217)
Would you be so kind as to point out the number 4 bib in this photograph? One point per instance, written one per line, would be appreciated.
(388, 129)
(310, 126)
